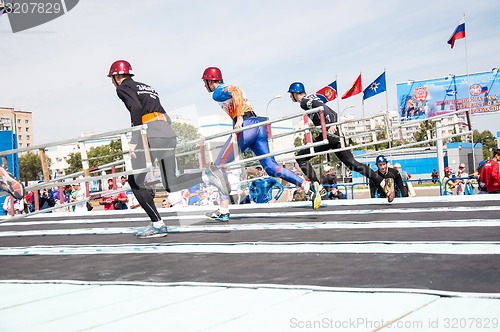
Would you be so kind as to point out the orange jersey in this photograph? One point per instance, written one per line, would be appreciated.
(232, 100)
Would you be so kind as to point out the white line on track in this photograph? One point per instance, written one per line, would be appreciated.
(265, 226)
(368, 247)
(267, 215)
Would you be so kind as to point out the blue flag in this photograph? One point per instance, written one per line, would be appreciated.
(376, 87)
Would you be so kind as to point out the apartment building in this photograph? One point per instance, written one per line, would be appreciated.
(21, 124)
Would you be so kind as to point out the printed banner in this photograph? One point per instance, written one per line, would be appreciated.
(422, 99)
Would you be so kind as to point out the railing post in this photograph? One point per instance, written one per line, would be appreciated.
(85, 159)
(147, 153)
(45, 166)
(127, 158)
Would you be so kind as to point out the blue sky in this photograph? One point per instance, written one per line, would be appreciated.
(58, 70)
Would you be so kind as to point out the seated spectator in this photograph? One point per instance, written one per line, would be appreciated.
(449, 181)
(18, 205)
(299, 195)
(335, 193)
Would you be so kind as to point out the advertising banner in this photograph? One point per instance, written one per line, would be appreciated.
(478, 92)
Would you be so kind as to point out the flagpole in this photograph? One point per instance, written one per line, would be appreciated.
(387, 107)
(338, 97)
(362, 100)
(467, 68)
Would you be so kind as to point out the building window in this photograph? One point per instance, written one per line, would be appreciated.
(28, 137)
(26, 121)
(27, 129)
(20, 136)
(18, 120)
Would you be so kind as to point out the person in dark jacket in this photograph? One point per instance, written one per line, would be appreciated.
(309, 101)
(143, 103)
(387, 172)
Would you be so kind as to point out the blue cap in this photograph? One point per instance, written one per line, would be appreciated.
(481, 163)
(380, 159)
(335, 186)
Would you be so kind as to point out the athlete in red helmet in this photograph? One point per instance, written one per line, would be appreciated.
(234, 102)
(144, 106)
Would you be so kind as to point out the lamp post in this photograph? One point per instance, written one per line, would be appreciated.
(269, 130)
(267, 107)
(342, 112)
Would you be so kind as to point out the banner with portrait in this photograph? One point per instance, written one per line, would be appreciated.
(422, 99)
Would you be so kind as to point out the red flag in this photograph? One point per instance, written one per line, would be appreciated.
(355, 88)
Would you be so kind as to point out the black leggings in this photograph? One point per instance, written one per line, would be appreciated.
(163, 150)
(345, 156)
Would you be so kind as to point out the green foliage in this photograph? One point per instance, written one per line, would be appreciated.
(74, 162)
(30, 166)
(488, 141)
(98, 155)
(186, 132)
(426, 128)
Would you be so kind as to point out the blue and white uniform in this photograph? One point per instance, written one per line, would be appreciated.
(234, 102)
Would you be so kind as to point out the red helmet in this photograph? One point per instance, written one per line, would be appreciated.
(121, 67)
(212, 74)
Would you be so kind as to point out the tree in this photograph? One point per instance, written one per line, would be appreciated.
(74, 162)
(186, 132)
(488, 141)
(30, 166)
(98, 155)
(427, 130)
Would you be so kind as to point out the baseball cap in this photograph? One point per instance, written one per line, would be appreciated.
(481, 163)
(462, 165)
(327, 168)
(448, 169)
(380, 159)
(398, 165)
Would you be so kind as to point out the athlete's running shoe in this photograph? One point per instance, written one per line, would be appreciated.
(322, 191)
(151, 232)
(218, 216)
(10, 184)
(389, 189)
(316, 196)
(218, 179)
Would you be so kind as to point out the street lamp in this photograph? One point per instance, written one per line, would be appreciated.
(267, 107)
(342, 112)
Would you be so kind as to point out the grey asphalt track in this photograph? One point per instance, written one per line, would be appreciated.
(444, 247)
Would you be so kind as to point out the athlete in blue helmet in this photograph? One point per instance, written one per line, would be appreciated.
(386, 172)
(298, 95)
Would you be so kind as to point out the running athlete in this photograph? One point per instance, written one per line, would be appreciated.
(10, 184)
(234, 102)
(144, 106)
(298, 95)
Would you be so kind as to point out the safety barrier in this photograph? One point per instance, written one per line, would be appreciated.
(126, 162)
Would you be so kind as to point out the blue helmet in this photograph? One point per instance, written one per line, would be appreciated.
(380, 159)
(297, 87)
